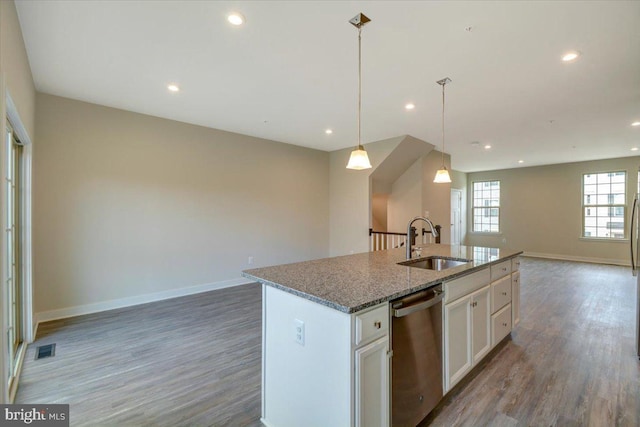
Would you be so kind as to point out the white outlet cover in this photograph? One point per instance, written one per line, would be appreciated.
(298, 331)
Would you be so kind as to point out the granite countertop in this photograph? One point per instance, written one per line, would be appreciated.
(351, 283)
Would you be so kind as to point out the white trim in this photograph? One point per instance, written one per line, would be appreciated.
(263, 409)
(603, 240)
(80, 310)
(609, 261)
(4, 352)
(13, 388)
(27, 243)
(16, 123)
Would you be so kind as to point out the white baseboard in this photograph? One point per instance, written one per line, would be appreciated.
(79, 310)
(609, 261)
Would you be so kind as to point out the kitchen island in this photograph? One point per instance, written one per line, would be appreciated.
(326, 346)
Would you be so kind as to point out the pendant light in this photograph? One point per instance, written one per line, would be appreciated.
(359, 159)
(442, 176)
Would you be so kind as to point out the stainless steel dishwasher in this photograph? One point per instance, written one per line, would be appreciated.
(416, 367)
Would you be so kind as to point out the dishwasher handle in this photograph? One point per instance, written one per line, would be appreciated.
(421, 305)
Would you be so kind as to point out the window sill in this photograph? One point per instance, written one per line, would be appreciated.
(486, 233)
(603, 240)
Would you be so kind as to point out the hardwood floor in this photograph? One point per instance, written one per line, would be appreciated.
(195, 361)
(191, 361)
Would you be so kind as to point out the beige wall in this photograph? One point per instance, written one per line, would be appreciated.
(541, 210)
(405, 200)
(350, 198)
(437, 197)
(15, 66)
(128, 204)
(379, 212)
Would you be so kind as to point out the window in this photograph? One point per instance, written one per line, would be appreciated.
(486, 206)
(603, 205)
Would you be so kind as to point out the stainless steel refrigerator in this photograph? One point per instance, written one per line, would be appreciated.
(634, 244)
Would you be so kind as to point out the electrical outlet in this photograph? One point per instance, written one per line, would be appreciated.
(250, 260)
(298, 328)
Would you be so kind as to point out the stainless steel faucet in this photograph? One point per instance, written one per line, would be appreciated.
(434, 232)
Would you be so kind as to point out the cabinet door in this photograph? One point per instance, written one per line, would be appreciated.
(457, 341)
(515, 298)
(500, 325)
(500, 293)
(481, 321)
(372, 384)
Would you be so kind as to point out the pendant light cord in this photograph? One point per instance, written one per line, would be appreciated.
(359, 82)
(443, 124)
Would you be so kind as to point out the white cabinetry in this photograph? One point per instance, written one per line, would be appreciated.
(480, 326)
(339, 374)
(480, 310)
(457, 341)
(500, 324)
(503, 295)
(371, 366)
(372, 384)
(467, 333)
(515, 292)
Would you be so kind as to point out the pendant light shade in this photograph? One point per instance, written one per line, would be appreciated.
(442, 175)
(359, 159)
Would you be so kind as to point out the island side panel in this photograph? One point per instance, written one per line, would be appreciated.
(306, 384)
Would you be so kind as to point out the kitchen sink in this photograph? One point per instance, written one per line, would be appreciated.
(435, 263)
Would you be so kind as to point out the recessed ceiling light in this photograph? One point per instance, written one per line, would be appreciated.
(635, 124)
(328, 131)
(634, 149)
(235, 18)
(520, 161)
(570, 56)
(173, 88)
(487, 147)
(409, 106)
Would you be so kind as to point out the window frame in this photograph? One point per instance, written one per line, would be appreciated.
(608, 206)
(474, 207)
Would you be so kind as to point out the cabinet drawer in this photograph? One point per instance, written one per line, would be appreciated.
(500, 270)
(515, 263)
(500, 325)
(500, 293)
(371, 324)
(456, 288)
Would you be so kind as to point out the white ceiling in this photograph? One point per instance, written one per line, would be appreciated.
(291, 71)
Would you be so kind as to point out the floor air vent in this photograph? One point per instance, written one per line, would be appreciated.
(43, 351)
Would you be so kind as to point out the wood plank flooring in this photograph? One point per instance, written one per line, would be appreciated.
(191, 361)
(195, 361)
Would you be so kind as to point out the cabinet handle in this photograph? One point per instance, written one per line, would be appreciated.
(504, 268)
(504, 293)
(377, 324)
(504, 324)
